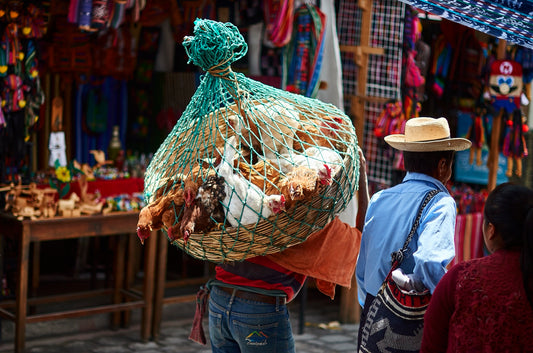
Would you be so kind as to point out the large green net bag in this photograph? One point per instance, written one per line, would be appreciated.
(248, 169)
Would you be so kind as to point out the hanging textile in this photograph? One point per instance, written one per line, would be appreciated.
(331, 73)
(279, 19)
(508, 20)
(302, 57)
(468, 237)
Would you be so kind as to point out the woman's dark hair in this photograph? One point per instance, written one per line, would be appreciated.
(425, 162)
(509, 208)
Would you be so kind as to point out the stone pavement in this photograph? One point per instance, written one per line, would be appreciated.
(321, 333)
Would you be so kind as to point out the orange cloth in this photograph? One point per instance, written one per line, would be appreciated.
(329, 256)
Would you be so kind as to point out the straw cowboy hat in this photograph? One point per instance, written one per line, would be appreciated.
(427, 135)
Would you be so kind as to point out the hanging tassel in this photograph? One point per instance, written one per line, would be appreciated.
(14, 94)
(30, 62)
(13, 44)
(3, 58)
(197, 331)
(117, 15)
(84, 16)
(2, 117)
(73, 11)
(100, 14)
(31, 113)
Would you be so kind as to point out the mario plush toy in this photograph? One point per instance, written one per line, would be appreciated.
(505, 85)
(506, 91)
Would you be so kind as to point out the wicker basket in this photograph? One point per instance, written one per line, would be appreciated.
(270, 235)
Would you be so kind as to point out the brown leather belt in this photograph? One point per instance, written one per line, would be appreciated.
(269, 299)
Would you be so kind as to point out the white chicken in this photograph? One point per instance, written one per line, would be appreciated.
(325, 161)
(245, 202)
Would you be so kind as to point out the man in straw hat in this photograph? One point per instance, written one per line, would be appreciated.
(428, 152)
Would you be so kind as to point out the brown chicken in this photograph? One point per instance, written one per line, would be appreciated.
(168, 184)
(151, 216)
(205, 211)
(211, 193)
(300, 184)
(316, 132)
(169, 217)
(262, 174)
(309, 135)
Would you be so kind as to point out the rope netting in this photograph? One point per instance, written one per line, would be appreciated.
(248, 169)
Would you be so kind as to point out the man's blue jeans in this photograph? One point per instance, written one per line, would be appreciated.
(245, 326)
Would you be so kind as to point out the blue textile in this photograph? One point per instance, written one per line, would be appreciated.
(508, 20)
(389, 218)
(243, 326)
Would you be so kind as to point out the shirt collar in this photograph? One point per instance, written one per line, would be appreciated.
(426, 178)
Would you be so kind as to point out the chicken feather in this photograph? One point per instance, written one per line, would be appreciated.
(267, 127)
(245, 202)
(301, 184)
(262, 174)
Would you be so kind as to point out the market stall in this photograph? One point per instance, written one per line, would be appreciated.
(95, 91)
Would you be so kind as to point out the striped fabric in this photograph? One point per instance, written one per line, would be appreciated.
(468, 237)
(261, 273)
(508, 20)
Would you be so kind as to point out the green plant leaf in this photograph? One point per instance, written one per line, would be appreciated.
(64, 190)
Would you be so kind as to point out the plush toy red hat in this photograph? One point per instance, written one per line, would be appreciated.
(505, 84)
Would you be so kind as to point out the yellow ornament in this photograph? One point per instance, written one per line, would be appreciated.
(3, 104)
(26, 30)
(22, 103)
(3, 69)
(63, 174)
(21, 56)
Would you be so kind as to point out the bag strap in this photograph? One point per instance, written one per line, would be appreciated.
(397, 256)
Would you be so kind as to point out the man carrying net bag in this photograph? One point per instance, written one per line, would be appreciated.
(252, 178)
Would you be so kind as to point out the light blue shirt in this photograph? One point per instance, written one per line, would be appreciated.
(389, 218)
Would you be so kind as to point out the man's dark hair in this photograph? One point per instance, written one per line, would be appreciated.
(425, 162)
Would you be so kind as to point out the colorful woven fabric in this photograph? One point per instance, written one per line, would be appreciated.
(302, 57)
(509, 20)
(468, 237)
(279, 17)
(514, 144)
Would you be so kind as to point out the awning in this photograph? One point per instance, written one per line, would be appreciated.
(511, 20)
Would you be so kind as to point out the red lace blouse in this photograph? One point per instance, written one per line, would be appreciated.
(480, 306)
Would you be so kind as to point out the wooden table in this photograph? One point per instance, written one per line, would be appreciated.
(160, 283)
(119, 224)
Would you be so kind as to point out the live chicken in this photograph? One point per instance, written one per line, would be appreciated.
(262, 174)
(151, 216)
(211, 194)
(245, 202)
(301, 184)
(267, 127)
(325, 161)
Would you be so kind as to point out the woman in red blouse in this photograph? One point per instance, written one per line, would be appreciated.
(486, 304)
